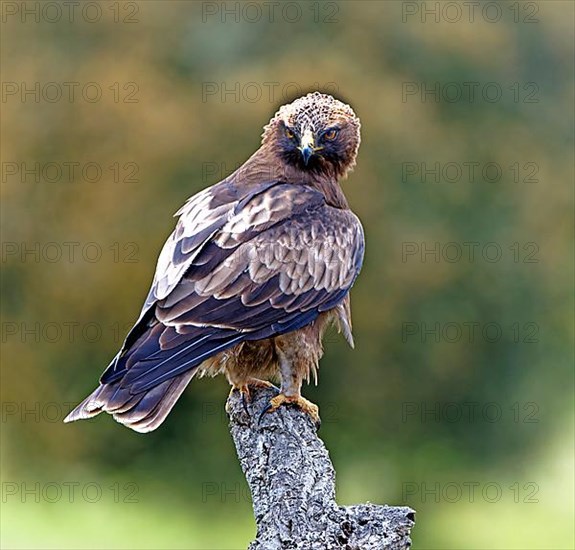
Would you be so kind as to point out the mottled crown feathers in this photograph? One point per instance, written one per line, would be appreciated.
(315, 110)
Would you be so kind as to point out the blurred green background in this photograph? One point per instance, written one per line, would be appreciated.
(458, 399)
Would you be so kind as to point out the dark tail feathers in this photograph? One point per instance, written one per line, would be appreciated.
(142, 412)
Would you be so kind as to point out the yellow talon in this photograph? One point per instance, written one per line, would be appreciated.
(244, 390)
(306, 406)
(257, 383)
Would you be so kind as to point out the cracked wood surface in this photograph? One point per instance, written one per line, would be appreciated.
(292, 482)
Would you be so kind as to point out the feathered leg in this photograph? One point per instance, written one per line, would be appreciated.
(290, 392)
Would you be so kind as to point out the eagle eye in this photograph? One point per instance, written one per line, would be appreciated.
(330, 134)
(289, 134)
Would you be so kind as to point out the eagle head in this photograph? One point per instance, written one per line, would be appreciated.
(315, 134)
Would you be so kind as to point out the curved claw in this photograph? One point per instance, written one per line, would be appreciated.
(245, 398)
(264, 411)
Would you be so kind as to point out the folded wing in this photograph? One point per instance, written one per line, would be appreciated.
(268, 265)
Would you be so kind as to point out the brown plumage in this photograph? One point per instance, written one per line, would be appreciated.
(256, 269)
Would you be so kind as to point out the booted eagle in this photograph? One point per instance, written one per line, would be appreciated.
(257, 267)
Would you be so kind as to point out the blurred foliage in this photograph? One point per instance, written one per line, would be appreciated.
(176, 135)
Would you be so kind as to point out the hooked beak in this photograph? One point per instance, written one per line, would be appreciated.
(307, 146)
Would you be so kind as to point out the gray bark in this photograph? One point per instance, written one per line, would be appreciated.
(292, 482)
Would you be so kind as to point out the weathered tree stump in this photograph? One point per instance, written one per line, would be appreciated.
(292, 482)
